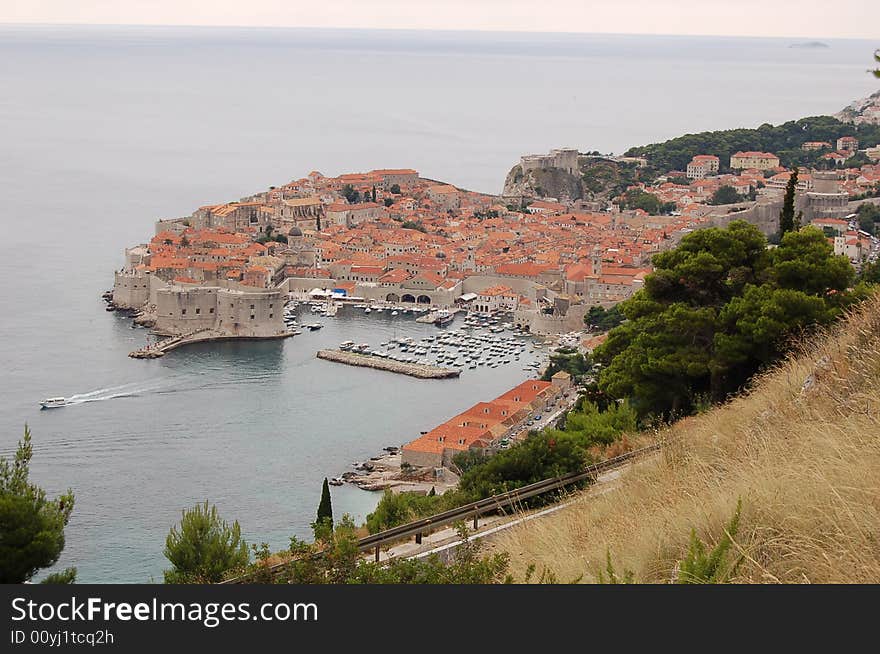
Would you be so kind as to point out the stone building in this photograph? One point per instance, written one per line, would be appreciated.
(183, 309)
(352, 214)
(305, 213)
(403, 177)
(444, 196)
(703, 165)
(562, 158)
(756, 160)
(496, 298)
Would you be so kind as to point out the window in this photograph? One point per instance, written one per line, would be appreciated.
(211, 310)
(183, 312)
(271, 305)
(271, 315)
(252, 316)
(252, 306)
(198, 311)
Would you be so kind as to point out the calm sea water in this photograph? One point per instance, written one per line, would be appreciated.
(102, 130)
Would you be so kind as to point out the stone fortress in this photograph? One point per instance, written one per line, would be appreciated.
(561, 158)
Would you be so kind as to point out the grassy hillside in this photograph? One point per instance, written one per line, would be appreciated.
(802, 453)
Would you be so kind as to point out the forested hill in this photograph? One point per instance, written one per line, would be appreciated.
(784, 140)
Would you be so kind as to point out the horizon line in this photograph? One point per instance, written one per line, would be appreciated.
(424, 29)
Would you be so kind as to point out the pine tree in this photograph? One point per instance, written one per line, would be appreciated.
(786, 216)
(31, 524)
(204, 547)
(325, 508)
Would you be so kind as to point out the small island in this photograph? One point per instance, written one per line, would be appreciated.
(809, 44)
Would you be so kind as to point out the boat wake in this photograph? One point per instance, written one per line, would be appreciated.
(133, 389)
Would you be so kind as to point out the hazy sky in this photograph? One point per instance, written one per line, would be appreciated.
(797, 18)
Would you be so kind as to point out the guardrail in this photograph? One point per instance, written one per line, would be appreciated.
(473, 510)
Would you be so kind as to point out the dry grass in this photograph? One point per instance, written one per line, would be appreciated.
(804, 458)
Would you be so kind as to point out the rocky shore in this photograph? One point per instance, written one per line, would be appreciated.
(385, 471)
(419, 370)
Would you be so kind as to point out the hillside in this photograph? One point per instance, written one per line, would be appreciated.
(802, 452)
(784, 140)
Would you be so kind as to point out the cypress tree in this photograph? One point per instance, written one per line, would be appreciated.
(325, 508)
(786, 216)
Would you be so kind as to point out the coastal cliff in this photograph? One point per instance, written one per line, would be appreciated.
(596, 178)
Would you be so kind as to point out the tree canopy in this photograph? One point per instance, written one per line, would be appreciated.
(31, 525)
(784, 140)
(204, 547)
(725, 195)
(868, 217)
(648, 202)
(325, 507)
(716, 309)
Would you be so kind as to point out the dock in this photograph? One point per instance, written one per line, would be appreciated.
(161, 348)
(419, 370)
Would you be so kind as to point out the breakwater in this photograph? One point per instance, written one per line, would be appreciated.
(159, 349)
(420, 370)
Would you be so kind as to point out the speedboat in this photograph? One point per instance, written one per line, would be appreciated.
(53, 402)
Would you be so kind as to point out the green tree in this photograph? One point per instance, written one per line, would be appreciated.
(336, 560)
(389, 202)
(31, 525)
(648, 202)
(414, 224)
(805, 261)
(786, 214)
(567, 360)
(350, 194)
(204, 547)
(725, 195)
(325, 507)
(868, 217)
(395, 188)
(604, 319)
(717, 309)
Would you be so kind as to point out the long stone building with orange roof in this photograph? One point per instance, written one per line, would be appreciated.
(482, 425)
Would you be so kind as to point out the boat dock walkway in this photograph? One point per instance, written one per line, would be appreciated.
(420, 370)
(161, 348)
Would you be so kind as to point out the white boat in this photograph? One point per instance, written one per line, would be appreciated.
(53, 402)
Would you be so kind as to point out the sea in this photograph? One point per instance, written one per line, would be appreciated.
(103, 130)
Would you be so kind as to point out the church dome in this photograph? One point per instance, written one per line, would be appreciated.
(295, 231)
